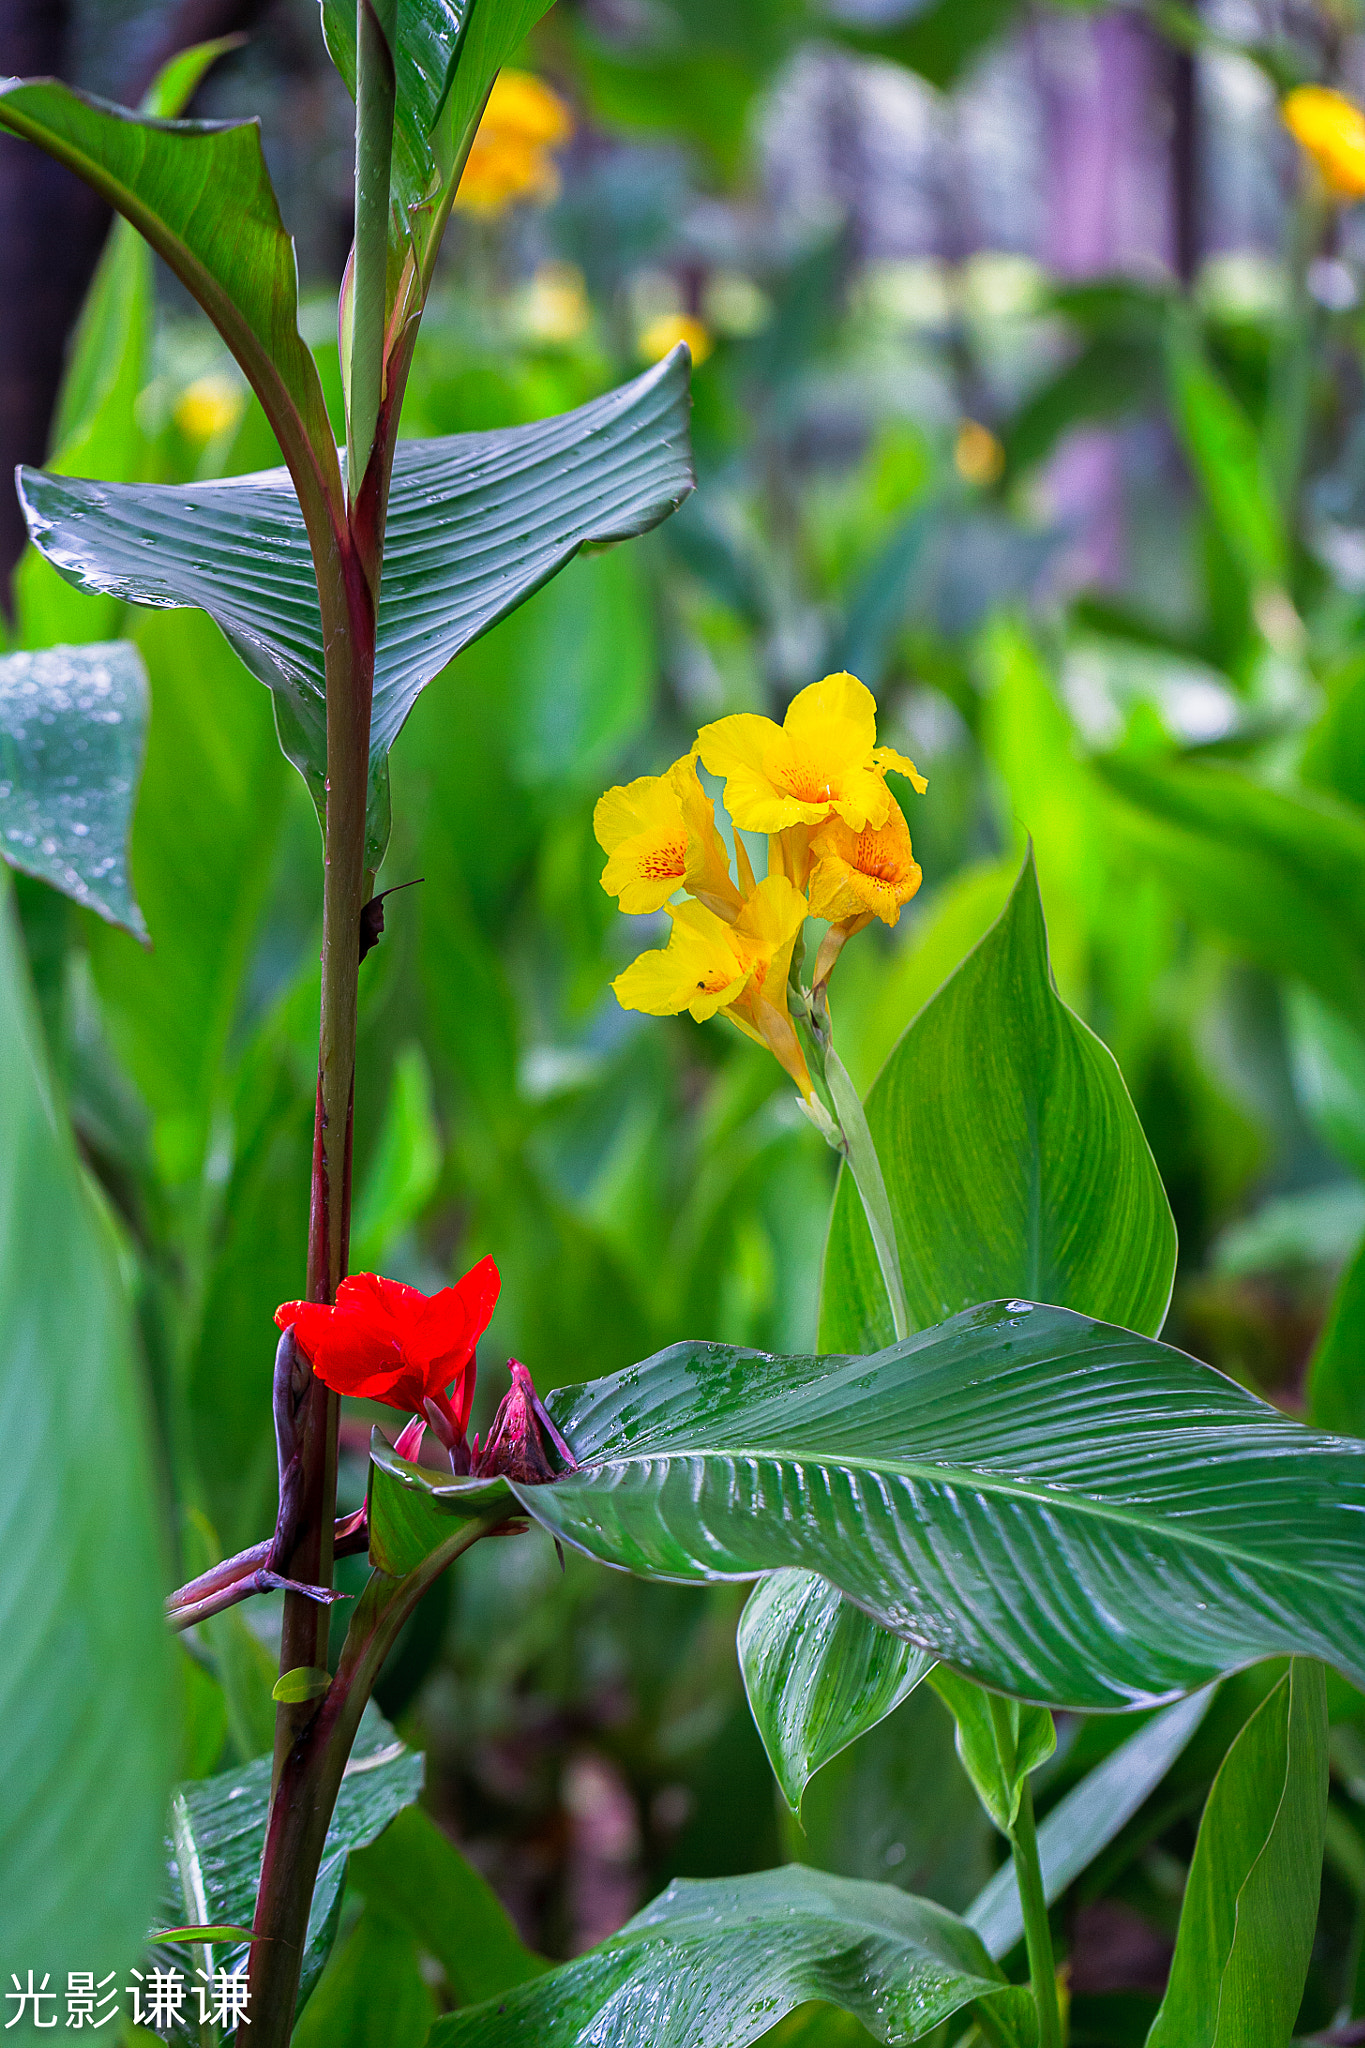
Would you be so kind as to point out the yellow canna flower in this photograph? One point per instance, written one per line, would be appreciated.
(1330, 129)
(739, 970)
(659, 835)
(510, 158)
(860, 875)
(209, 406)
(821, 762)
(666, 330)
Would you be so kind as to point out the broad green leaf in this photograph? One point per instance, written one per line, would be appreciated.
(416, 1873)
(1227, 460)
(1088, 1819)
(476, 523)
(999, 1780)
(1280, 877)
(73, 724)
(200, 193)
(1336, 1374)
(715, 1963)
(818, 1674)
(1251, 1902)
(1068, 1513)
(1013, 1158)
(412, 1510)
(217, 1833)
(372, 1993)
(87, 1731)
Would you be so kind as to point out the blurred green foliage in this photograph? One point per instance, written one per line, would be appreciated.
(1184, 750)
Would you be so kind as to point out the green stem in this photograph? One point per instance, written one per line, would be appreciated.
(1028, 1871)
(375, 97)
(306, 1794)
(860, 1152)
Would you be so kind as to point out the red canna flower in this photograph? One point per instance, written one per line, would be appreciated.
(390, 1343)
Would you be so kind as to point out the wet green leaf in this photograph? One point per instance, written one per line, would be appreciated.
(1067, 1512)
(73, 724)
(721, 1960)
(217, 1833)
(818, 1674)
(476, 523)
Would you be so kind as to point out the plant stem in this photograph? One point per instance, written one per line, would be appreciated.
(374, 108)
(866, 1168)
(1028, 1871)
(306, 1794)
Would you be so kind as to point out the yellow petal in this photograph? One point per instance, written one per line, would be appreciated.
(701, 969)
(836, 704)
(887, 757)
(707, 871)
(861, 874)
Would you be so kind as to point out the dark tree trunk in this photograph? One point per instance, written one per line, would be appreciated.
(52, 228)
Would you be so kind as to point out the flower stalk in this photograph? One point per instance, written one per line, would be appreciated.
(1028, 1871)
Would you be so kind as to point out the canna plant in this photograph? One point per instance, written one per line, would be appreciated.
(992, 1478)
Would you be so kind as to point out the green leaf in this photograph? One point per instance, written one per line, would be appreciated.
(999, 1781)
(818, 1674)
(424, 53)
(447, 54)
(86, 1677)
(304, 1682)
(412, 1509)
(73, 724)
(476, 523)
(195, 1934)
(201, 868)
(1227, 460)
(200, 193)
(721, 1960)
(1013, 1158)
(1088, 1819)
(417, 1874)
(1336, 1374)
(217, 1834)
(1251, 1902)
(1280, 876)
(406, 1165)
(372, 1994)
(1328, 1059)
(1069, 1513)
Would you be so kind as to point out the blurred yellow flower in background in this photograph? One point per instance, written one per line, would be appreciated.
(211, 405)
(510, 158)
(821, 762)
(659, 835)
(1331, 130)
(978, 456)
(554, 307)
(666, 330)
